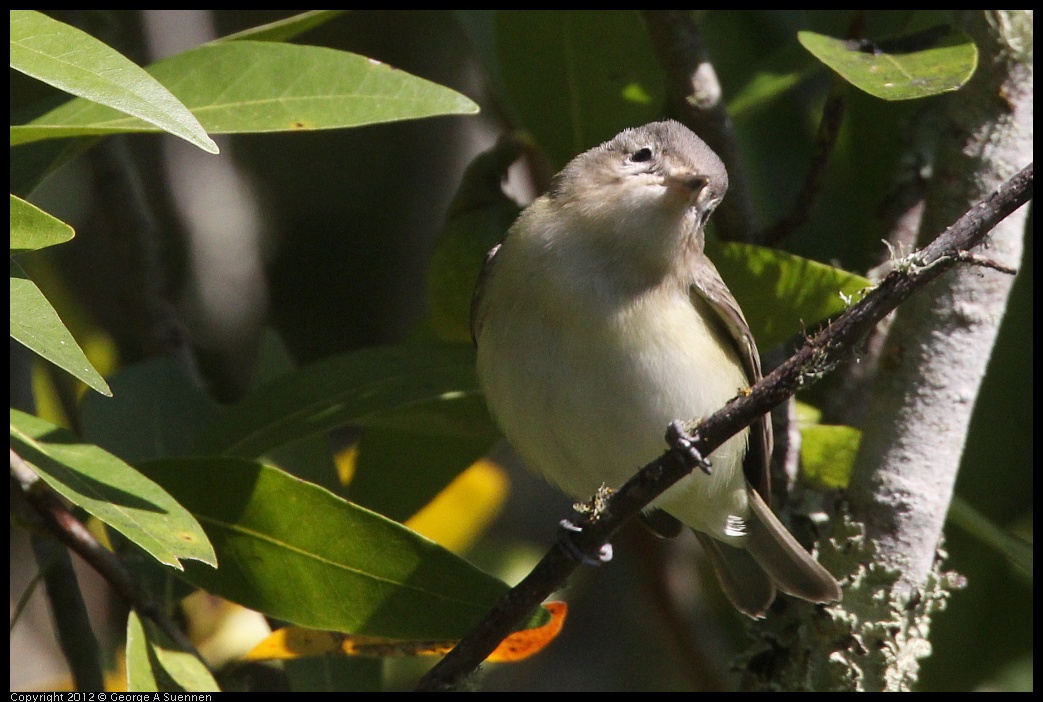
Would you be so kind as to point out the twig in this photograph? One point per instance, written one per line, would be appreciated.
(825, 140)
(697, 100)
(978, 260)
(73, 533)
(812, 360)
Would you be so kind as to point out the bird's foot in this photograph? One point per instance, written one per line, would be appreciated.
(604, 555)
(679, 439)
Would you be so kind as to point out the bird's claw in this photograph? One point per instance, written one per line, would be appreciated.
(604, 555)
(677, 437)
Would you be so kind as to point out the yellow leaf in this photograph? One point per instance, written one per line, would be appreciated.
(299, 642)
(457, 515)
(460, 513)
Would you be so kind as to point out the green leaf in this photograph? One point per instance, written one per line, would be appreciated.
(156, 412)
(477, 219)
(577, 78)
(776, 75)
(807, 414)
(480, 28)
(77, 63)
(297, 552)
(248, 86)
(1016, 549)
(32, 228)
(30, 165)
(111, 490)
(827, 454)
(310, 458)
(352, 388)
(36, 325)
(284, 29)
(404, 460)
(155, 663)
(782, 294)
(932, 61)
(762, 90)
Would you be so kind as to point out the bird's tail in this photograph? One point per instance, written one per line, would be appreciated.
(772, 559)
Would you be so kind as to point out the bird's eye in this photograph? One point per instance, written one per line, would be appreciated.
(641, 155)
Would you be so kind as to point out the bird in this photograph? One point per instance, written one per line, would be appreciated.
(599, 320)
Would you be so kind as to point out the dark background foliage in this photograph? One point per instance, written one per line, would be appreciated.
(349, 220)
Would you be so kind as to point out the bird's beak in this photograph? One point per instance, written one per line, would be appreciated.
(687, 183)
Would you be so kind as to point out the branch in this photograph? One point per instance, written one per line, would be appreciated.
(816, 357)
(697, 100)
(825, 140)
(920, 411)
(57, 518)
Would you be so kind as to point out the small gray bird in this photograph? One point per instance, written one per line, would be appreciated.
(599, 320)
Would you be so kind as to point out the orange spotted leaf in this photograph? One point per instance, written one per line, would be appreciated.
(522, 644)
(300, 642)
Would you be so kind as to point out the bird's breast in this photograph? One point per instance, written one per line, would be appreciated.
(585, 387)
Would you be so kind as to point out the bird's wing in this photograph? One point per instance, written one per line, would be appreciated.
(709, 291)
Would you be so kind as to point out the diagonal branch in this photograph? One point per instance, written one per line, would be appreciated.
(817, 356)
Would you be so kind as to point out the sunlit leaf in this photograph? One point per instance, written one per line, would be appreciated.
(32, 228)
(827, 455)
(36, 325)
(932, 61)
(155, 663)
(298, 552)
(287, 28)
(74, 61)
(250, 86)
(782, 294)
(111, 490)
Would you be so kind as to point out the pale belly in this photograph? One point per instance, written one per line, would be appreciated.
(586, 402)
